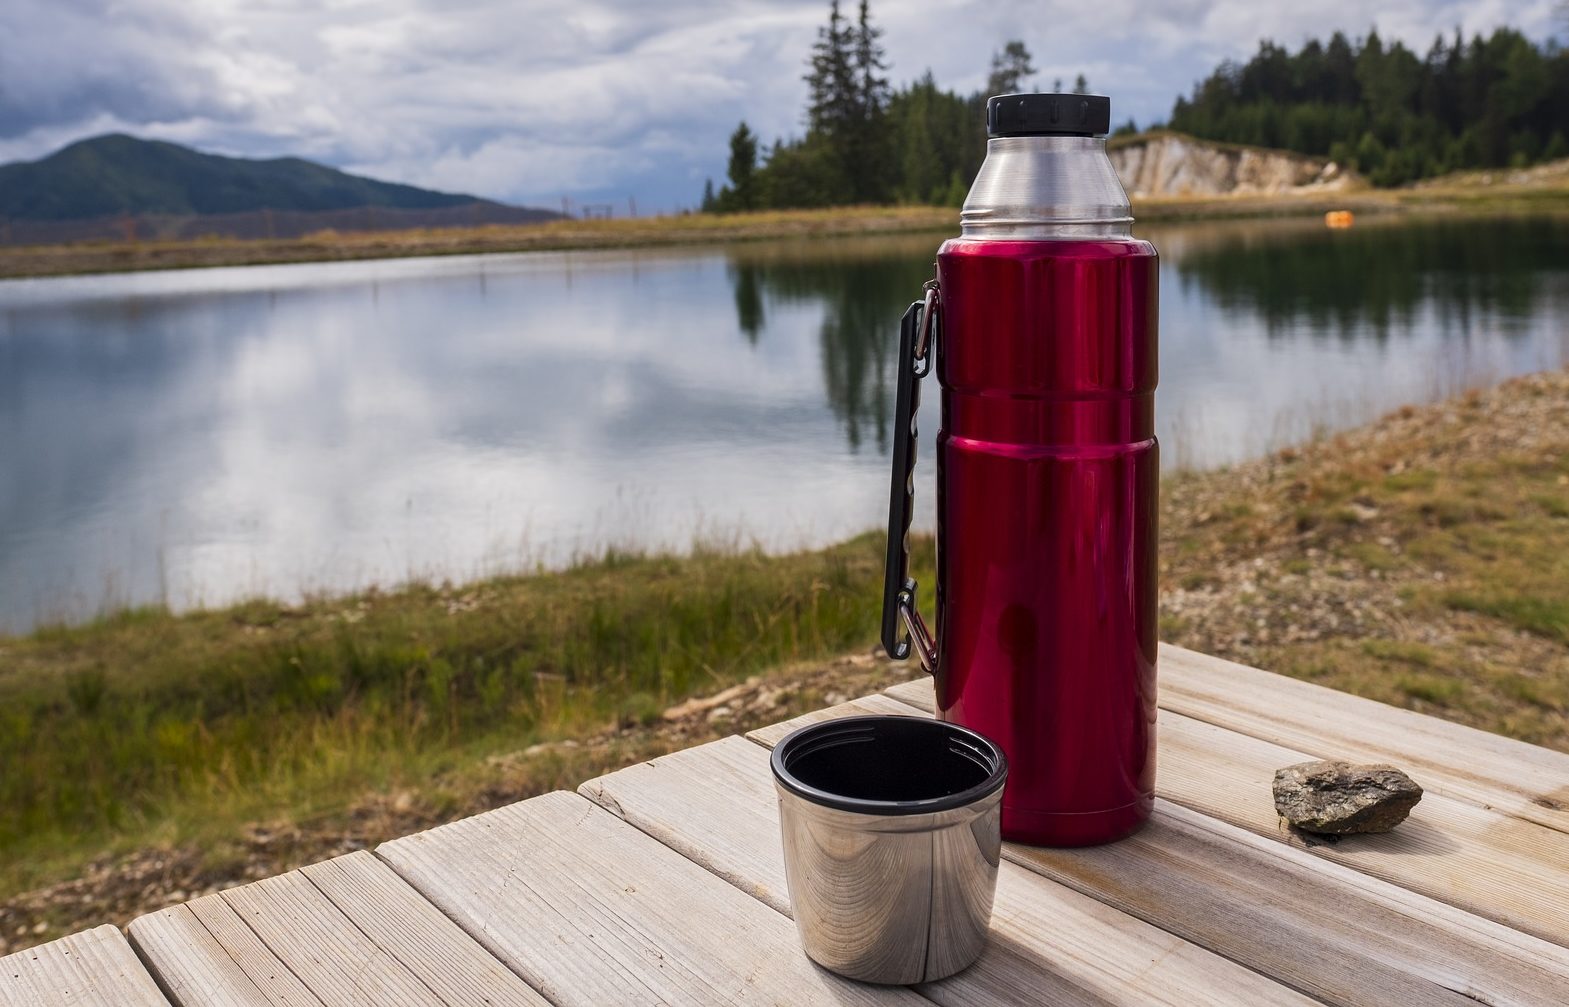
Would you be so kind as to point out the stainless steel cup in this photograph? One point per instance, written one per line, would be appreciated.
(891, 841)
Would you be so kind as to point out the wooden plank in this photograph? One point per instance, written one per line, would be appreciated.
(277, 983)
(1494, 865)
(331, 920)
(1325, 929)
(591, 911)
(195, 967)
(1328, 930)
(323, 947)
(403, 923)
(864, 706)
(715, 804)
(1486, 769)
(95, 967)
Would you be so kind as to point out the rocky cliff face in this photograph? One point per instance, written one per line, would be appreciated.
(1171, 164)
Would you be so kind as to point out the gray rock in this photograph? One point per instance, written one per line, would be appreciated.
(1339, 798)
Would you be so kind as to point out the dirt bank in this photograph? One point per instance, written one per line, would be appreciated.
(1163, 164)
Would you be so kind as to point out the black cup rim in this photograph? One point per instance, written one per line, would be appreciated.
(852, 729)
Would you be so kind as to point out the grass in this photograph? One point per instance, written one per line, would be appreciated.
(147, 725)
(1545, 616)
(1423, 561)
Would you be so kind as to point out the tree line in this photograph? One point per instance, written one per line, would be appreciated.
(865, 141)
(1500, 101)
(1391, 115)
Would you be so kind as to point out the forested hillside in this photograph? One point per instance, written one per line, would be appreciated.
(1389, 113)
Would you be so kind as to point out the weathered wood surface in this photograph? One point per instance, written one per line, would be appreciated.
(1491, 864)
(865, 706)
(591, 911)
(1342, 936)
(715, 804)
(203, 953)
(94, 968)
(345, 931)
(1328, 930)
(404, 924)
(668, 886)
(1488, 770)
(323, 947)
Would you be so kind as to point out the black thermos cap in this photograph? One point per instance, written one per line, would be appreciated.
(1048, 115)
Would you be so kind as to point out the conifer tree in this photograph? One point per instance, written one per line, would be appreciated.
(1011, 69)
(831, 112)
(743, 164)
(870, 61)
(831, 82)
(869, 151)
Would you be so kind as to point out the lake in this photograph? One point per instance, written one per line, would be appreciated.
(199, 436)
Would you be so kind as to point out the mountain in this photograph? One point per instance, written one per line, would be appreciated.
(118, 176)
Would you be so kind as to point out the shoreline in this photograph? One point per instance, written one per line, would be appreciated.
(1418, 560)
(1547, 194)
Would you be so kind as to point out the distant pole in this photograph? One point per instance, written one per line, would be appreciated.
(566, 207)
(632, 206)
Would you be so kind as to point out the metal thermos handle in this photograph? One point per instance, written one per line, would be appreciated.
(902, 623)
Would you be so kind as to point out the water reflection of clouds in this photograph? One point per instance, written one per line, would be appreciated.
(205, 435)
(342, 434)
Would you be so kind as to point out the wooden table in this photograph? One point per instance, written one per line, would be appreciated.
(663, 883)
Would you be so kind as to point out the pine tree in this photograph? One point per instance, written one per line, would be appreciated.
(1080, 85)
(832, 112)
(869, 150)
(743, 165)
(831, 82)
(921, 177)
(1010, 69)
(870, 60)
(709, 204)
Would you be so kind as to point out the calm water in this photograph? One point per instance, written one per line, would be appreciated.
(194, 437)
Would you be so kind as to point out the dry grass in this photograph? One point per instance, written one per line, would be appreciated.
(1421, 561)
(328, 246)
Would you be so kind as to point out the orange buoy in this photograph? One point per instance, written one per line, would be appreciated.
(1338, 219)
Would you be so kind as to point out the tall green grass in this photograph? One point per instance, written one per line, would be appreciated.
(109, 729)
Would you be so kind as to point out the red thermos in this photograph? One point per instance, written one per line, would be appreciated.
(1042, 325)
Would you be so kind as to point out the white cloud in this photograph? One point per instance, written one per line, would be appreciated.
(599, 99)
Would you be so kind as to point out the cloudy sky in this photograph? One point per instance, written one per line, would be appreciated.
(530, 100)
